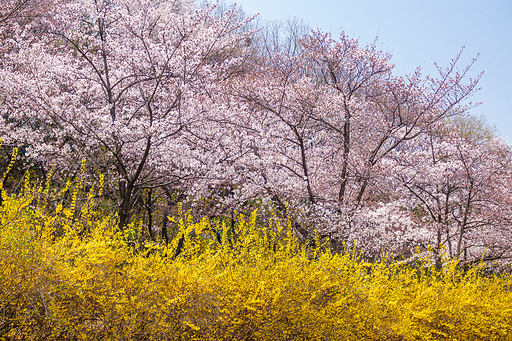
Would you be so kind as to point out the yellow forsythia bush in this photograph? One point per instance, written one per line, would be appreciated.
(70, 276)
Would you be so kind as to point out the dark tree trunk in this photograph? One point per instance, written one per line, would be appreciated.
(149, 209)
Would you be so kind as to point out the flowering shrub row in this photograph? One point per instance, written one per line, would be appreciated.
(67, 273)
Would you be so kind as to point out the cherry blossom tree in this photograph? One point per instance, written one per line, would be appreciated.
(330, 114)
(459, 186)
(16, 15)
(21, 12)
(379, 111)
(127, 84)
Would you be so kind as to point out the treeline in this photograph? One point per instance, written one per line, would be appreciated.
(173, 105)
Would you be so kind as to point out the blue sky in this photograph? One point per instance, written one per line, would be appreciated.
(419, 33)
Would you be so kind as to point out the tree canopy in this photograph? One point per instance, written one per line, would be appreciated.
(171, 102)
